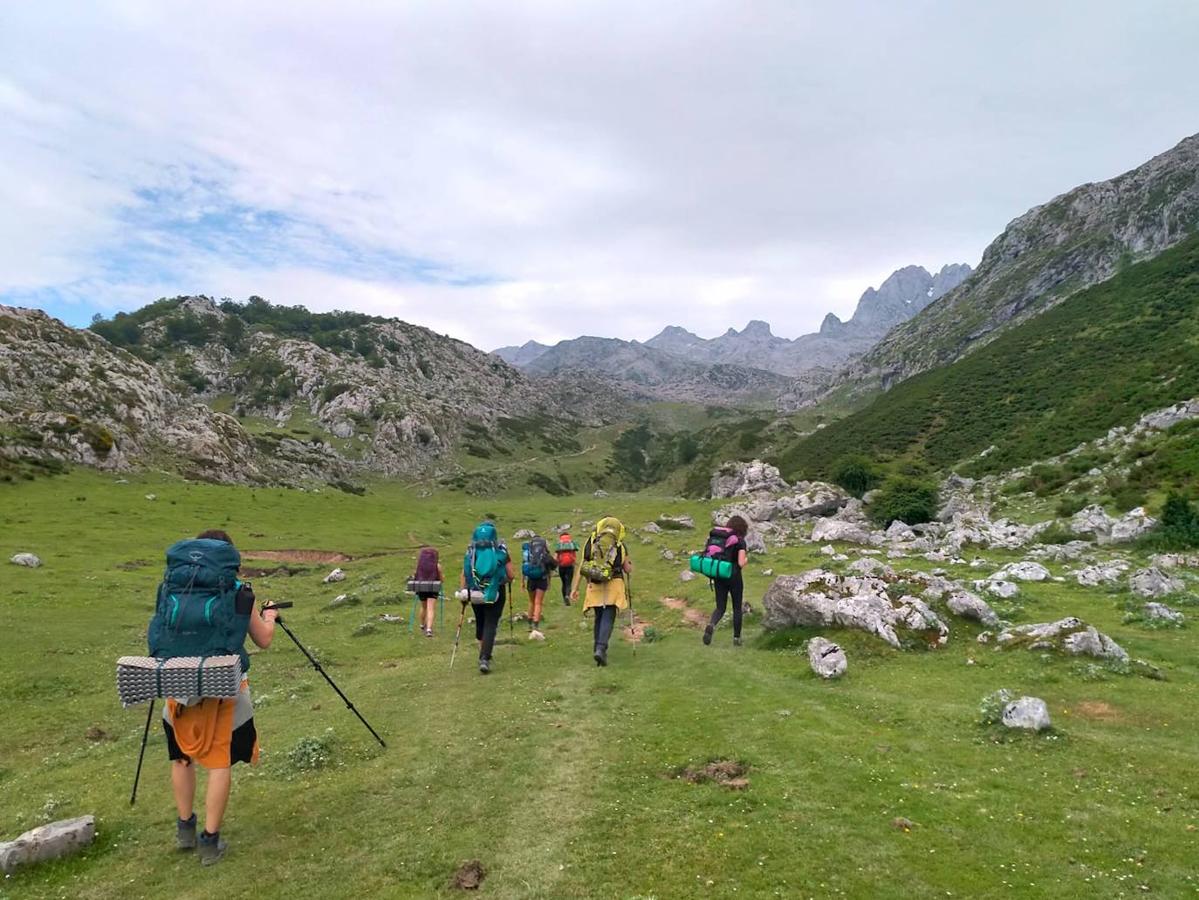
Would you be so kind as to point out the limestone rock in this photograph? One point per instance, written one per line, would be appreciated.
(826, 658)
(686, 575)
(652, 528)
(29, 560)
(1101, 574)
(997, 587)
(1153, 582)
(676, 523)
(1070, 635)
(335, 575)
(741, 479)
(971, 606)
(831, 530)
(820, 598)
(1161, 612)
(1030, 713)
(1022, 571)
(523, 534)
(53, 841)
(1131, 526)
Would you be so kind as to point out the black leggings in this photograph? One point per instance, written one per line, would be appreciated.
(605, 619)
(568, 575)
(735, 587)
(487, 623)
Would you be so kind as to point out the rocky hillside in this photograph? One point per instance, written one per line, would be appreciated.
(253, 391)
(904, 294)
(1096, 360)
(641, 372)
(1052, 252)
(523, 355)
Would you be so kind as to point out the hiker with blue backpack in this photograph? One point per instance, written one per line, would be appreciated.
(606, 568)
(205, 610)
(724, 556)
(536, 565)
(486, 573)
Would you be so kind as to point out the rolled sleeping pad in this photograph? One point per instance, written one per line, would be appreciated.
(711, 566)
(472, 596)
(423, 587)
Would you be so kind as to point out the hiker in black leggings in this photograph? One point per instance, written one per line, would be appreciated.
(732, 587)
(487, 624)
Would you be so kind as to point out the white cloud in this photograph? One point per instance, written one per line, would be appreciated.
(600, 166)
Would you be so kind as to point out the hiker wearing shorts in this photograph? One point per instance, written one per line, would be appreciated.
(567, 552)
(733, 587)
(537, 566)
(605, 567)
(215, 733)
(428, 572)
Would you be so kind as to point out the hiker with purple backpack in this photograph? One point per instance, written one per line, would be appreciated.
(426, 584)
(724, 557)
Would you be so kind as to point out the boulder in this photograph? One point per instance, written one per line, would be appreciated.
(335, 575)
(1022, 571)
(812, 498)
(826, 658)
(1131, 526)
(971, 606)
(755, 541)
(1069, 635)
(824, 599)
(1153, 583)
(652, 528)
(738, 479)
(29, 560)
(997, 587)
(686, 575)
(1094, 521)
(1030, 713)
(676, 523)
(899, 531)
(1101, 574)
(53, 841)
(601, 493)
(668, 555)
(523, 534)
(832, 530)
(1159, 612)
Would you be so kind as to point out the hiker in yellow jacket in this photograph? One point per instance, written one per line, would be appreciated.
(605, 566)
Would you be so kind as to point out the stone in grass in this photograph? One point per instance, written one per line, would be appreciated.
(1153, 582)
(29, 560)
(686, 575)
(364, 629)
(676, 523)
(1029, 713)
(1159, 612)
(826, 658)
(1070, 635)
(51, 841)
(1004, 590)
(523, 534)
(469, 876)
(972, 606)
(1022, 571)
(335, 575)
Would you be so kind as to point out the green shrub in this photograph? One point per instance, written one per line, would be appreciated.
(909, 500)
(1056, 534)
(1128, 497)
(1178, 528)
(857, 475)
(1069, 504)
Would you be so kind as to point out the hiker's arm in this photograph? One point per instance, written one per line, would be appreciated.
(574, 583)
(262, 628)
(742, 558)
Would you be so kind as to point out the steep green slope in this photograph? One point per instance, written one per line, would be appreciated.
(1097, 360)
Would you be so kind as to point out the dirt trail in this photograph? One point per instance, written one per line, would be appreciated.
(322, 556)
(693, 617)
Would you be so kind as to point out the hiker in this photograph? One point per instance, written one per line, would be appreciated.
(536, 565)
(486, 573)
(567, 552)
(606, 567)
(727, 544)
(426, 582)
(213, 732)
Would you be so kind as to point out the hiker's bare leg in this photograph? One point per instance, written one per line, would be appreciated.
(538, 596)
(216, 798)
(183, 780)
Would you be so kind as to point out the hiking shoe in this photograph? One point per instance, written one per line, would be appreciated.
(708, 635)
(566, 601)
(428, 632)
(185, 833)
(737, 642)
(484, 666)
(212, 848)
(601, 656)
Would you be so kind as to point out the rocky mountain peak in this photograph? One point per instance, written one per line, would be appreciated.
(757, 329)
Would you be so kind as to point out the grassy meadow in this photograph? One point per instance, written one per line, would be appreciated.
(559, 777)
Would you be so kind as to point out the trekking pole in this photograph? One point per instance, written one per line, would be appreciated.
(316, 665)
(458, 634)
(628, 589)
(145, 735)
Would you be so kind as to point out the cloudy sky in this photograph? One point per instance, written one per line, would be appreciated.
(544, 168)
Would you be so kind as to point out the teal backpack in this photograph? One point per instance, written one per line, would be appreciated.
(196, 610)
(485, 562)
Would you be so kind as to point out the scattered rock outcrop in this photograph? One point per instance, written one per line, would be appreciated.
(738, 479)
(1104, 574)
(971, 606)
(1159, 612)
(1070, 635)
(1153, 583)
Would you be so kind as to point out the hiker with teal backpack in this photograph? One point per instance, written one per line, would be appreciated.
(723, 559)
(606, 568)
(486, 573)
(536, 565)
(203, 610)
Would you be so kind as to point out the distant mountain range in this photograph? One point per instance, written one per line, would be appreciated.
(904, 294)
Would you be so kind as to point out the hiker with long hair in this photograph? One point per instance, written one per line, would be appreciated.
(486, 575)
(537, 565)
(427, 574)
(215, 733)
(605, 567)
(736, 552)
(567, 552)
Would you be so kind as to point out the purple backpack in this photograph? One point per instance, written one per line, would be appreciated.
(426, 565)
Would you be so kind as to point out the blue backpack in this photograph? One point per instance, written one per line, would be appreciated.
(196, 610)
(485, 563)
(535, 558)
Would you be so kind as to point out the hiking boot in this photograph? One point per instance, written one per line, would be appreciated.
(212, 848)
(737, 641)
(601, 656)
(185, 833)
(428, 632)
(566, 601)
(484, 666)
(708, 635)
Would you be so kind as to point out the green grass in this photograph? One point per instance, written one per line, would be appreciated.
(556, 774)
(1099, 359)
